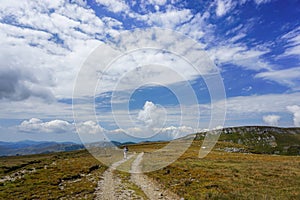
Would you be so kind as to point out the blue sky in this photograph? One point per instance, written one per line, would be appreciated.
(253, 44)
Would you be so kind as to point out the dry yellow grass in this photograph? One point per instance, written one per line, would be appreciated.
(72, 175)
(223, 175)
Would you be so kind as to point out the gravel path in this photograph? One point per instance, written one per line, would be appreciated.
(110, 187)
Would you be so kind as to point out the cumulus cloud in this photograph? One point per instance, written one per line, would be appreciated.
(295, 109)
(168, 132)
(152, 115)
(175, 132)
(35, 125)
(271, 120)
(89, 127)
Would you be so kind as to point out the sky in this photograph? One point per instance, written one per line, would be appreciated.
(146, 70)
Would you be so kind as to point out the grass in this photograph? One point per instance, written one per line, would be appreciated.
(125, 178)
(72, 175)
(107, 155)
(220, 175)
(126, 166)
(223, 175)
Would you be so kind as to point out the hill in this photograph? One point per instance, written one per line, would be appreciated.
(261, 139)
(27, 147)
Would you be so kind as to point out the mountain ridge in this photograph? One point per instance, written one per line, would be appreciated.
(261, 139)
(27, 147)
(255, 139)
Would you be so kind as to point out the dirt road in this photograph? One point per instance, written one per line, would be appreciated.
(111, 187)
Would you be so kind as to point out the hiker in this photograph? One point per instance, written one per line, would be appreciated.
(125, 152)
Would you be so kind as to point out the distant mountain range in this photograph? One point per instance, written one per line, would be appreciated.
(262, 139)
(27, 147)
(254, 139)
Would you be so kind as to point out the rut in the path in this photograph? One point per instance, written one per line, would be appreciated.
(152, 189)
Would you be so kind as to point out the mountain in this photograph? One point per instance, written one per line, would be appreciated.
(35, 147)
(27, 147)
(103, 144)
(262, 139)
(254, 139)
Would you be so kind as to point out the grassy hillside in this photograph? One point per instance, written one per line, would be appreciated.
(223, 175)
(69, 175)
(258, 139)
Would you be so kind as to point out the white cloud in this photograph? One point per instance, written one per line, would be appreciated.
(197, 27)
(237, 37)
(143, 123)
(114, 5)
(295, 109)
(53, 43)
(51, 36)
(146, 62)
(240, 55)
(80, 2)
(172, 17)
(292, 48)
(289, 77)
(36, 107)
(224, 6)
(169, 19)
(174, 132)
(258, 2)
(89, 127)
(157, 2)
(152, 115)
(166, 133)
(271, 120)
(35, 125)
(258, 104)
